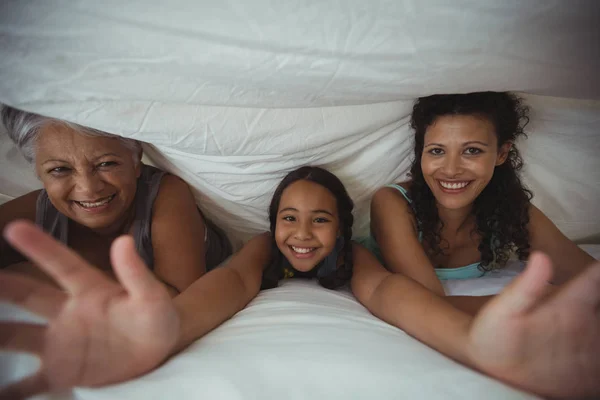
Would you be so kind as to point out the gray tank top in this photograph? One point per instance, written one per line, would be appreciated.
(217, 245)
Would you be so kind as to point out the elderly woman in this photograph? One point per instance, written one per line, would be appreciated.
(95, 189)
(465, 210)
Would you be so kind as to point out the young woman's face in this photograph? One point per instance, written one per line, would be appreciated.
(91, 180)
(307, 224)
(460, 154)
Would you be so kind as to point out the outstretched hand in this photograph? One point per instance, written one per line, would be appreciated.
(98, 331)
(549, 345)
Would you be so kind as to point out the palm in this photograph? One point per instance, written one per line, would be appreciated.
(102, 332)
(546, 344)
(107, 337)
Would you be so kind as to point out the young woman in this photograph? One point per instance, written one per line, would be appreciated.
(465, 210)
(95, 189)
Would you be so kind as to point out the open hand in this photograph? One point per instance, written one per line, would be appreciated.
(549, 345)
(99, 331)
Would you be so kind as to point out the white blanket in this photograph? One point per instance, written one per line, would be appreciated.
(298, 341)
(233, 95)
(302, 341)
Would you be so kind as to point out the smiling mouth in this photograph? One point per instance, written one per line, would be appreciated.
(302, 250)
(95, 204)
(454, 185)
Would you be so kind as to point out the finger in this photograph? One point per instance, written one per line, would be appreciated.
(31, 294)
(131, 270)
(25, 388)
(584, 288)
(66, 267)
(20, 336)
(529, 288)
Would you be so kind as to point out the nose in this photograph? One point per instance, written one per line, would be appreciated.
(89, 184)
(303, 231)
(452, 165)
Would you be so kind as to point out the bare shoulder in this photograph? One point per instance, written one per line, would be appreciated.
(363, 258)
(387, 202)
(540, 226)
(258, 244)
(368, 272)
(251, 260)
(22, 207)
(391, 196)
(545, 236)
(174, 200)
(359, 251)
(536, 215)
(172, 186)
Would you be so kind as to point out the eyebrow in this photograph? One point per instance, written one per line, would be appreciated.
(464, 144)
(107, 154)
(95, 158)
(54, 160)
(312, 211)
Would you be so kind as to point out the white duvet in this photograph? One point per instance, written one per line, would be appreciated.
(233, 95)
(301, 341)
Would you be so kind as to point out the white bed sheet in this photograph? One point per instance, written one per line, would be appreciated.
(292, 53)
(302, 341)
(234, 157)
(233, 95)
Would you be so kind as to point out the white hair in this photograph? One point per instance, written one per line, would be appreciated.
(24, 127)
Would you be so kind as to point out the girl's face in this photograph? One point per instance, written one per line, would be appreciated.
(460, 154)
(307, 224)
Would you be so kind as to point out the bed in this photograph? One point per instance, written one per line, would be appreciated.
(233, 95)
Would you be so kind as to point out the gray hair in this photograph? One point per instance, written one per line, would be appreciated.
(23, 129)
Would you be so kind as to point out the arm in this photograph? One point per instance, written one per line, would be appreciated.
(509, 339)
(222, 292)
(177, 236)
(22, 207)
(136, 325)
(469, 304)
(409, 306)
(568, 259)
(403, 253)
(394, 227)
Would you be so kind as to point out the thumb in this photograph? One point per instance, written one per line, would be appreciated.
(131, 270)
(529, 288)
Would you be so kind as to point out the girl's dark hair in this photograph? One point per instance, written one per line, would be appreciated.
(274, 272)
(502, 209)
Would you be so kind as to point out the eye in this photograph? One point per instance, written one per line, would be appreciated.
(58, 170)
(106, 164)
(289, 218)
(321, 220)
(436, 151)
(472, 151)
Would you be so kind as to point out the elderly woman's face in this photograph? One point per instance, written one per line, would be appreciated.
(91, 180)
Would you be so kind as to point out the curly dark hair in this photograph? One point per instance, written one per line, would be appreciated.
(502, 209)
(274, 272)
